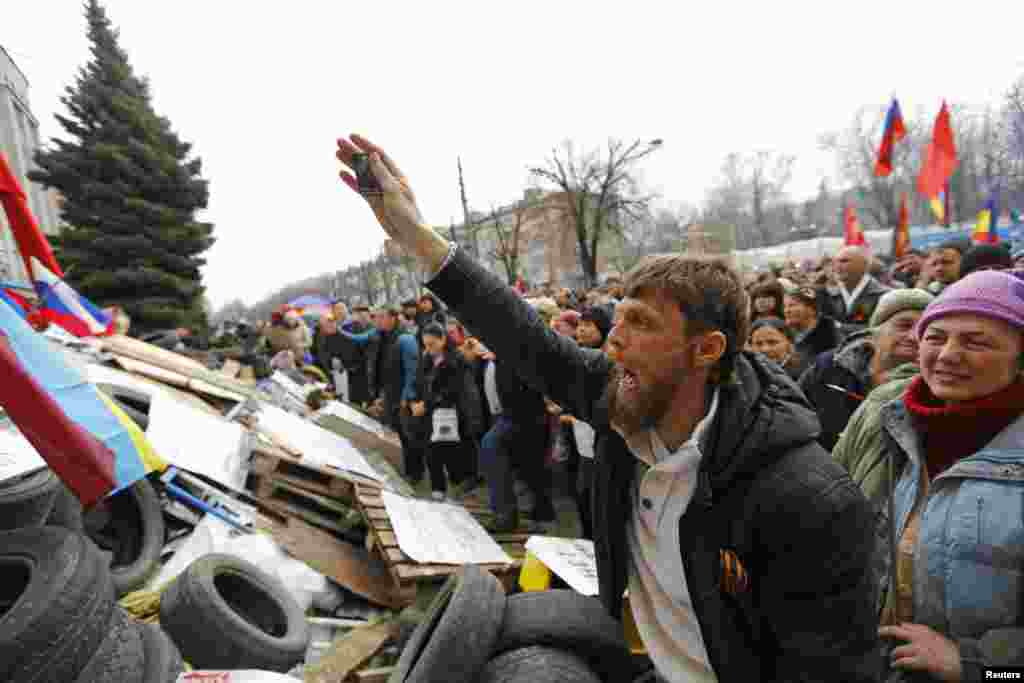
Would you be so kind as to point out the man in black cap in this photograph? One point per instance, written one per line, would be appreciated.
(986, 257)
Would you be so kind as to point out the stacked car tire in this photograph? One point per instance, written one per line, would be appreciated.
(472, 633)
(59, 620)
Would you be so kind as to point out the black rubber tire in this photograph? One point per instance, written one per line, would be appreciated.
(567, 620)
(454, 641)
(66, 511)
(26, 500)
(56, 604)
(130, 525)
(163, 659)
(225, 613)
(120, 656)
(537, 664)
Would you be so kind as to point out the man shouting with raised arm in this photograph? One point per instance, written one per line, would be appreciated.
(743, 548)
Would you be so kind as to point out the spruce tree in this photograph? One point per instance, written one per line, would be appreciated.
(131, 193)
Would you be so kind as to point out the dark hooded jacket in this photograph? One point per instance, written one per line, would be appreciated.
(824, 336)
(766, 491)
(848, 367)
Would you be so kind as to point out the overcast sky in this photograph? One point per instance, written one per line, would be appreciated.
(262, 90)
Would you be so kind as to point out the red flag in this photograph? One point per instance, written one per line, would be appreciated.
(81, 460)
(940, 158)
(31, 240)
(901, 245)
(894, 132)
(854, 236)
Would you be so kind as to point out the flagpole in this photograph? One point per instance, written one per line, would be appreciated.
(948, 218)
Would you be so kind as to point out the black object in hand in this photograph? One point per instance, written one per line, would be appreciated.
(367, 182)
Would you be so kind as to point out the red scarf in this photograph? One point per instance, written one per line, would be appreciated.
(953, 432)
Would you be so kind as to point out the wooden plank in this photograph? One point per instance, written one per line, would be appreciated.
(346, 563)
(291, 510)
(155, 356)
(379, 675)
(350, 652)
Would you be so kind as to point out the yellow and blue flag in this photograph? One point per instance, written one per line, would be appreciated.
(85, 438)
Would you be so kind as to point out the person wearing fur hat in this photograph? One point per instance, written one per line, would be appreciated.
(838, 381)
(946, 477)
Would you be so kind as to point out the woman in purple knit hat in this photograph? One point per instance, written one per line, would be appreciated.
(947, 473)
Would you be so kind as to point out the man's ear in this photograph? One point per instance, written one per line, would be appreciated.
(710, 348)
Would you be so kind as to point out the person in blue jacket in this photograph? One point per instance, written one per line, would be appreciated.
(391, 360)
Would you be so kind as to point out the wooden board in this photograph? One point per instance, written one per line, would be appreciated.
(350, 652)
(407, 571)
(349, 565)
(178, 364)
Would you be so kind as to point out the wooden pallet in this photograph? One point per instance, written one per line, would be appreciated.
(405, 570)
(292, 501)
(271, 466)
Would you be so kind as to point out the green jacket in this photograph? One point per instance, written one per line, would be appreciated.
(860, 449)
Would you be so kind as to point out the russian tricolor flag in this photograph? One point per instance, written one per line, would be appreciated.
(62, 305)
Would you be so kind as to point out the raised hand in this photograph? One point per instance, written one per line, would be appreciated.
(395, 207)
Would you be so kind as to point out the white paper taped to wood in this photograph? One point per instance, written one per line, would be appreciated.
(17, 455)
(439, 533)
(572, 559)
(317, 445)
(346, 412)
(198, 442)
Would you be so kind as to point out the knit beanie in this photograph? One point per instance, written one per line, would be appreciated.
(897, 301)
(601, 317)
(982, 255)
(570, 318)
(988, 293)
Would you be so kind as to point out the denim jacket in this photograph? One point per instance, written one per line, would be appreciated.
(968, 581)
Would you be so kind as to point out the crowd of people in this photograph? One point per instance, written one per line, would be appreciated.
(843, 437)
(810, 473)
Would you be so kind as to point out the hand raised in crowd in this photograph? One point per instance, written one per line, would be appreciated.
(418, 408)
(552, 407)
(925, 650)
(395, 206)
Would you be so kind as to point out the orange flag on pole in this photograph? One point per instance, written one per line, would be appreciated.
(901, 245)
(854, 236)
(939, 163)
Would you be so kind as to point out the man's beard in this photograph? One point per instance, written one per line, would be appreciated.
(635, 407)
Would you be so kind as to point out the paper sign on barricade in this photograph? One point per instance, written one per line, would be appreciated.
(439, 533)
(317, 445)
(572, 559)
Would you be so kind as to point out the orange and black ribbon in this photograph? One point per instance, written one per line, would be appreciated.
(734, 577)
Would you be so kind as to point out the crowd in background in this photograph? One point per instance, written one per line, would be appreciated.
(839, 326)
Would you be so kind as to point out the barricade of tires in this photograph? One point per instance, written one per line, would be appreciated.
(59, 620)
(62, 571)
(472, 633)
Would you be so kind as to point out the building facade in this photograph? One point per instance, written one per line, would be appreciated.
(19, 139)
(547, 239)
